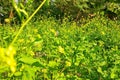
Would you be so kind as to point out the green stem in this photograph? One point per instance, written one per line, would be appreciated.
(16, 8)
(23, 25)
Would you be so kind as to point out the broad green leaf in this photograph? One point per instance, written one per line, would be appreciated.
(17, 73)
(100, 70)
(28, 60)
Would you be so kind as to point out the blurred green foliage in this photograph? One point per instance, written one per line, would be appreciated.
(72, 9)
(87, 8)
(5, 8)
(49, 50)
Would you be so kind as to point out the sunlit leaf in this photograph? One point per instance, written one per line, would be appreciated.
(28, 60)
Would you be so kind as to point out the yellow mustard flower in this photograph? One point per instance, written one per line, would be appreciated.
(61, 50)
(68, 63)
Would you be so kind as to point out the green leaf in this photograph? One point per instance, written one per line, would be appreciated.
(30, 72)
(112, 75)
(24, 12)
(17, 73)
(28, 60)
(52, 64)
(47, 3)
(16, 8)
(25, 76)
(100, 70)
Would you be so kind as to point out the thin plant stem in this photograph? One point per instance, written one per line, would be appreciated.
(23, 24)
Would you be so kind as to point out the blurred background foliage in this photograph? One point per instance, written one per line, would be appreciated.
(73, 10)
(52, 46)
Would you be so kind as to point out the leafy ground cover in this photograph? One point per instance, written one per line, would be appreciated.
(49, 50)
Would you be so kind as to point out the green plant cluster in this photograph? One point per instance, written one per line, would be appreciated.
(78, 9)
(49, 50)
(15, 11)
(72, 9)
(5, 7)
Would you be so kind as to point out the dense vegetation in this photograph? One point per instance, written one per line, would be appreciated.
(61, 42)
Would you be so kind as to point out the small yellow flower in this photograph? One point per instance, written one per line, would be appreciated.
(10, 58)
(21, 40)
(32, 53)
(13, 66)
(11, 62)
(7, 56)
(35, 30)
(32, 39)
(7, 20)
(13, 69)
(44, 70)
(61, 50)
(103, 33)
(38, 36)
(10, 51)
(67, 63)
(52, 30)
